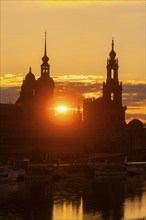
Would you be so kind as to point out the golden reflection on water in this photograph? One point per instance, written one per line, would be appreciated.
(135, 208)
(68, 211)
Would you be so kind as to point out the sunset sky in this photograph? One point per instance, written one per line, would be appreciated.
(79, 35)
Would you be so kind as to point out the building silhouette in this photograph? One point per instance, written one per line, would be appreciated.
(107, 111)
(105, 129)
(38, 92)
(29, 128)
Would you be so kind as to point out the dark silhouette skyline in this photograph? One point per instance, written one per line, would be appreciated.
(30, 126)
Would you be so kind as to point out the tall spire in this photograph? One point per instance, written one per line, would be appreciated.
(30, 69)
(45, 58)
(45, 53)
(45, 67)
(112, 43)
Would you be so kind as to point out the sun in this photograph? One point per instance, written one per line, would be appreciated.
(62, 109)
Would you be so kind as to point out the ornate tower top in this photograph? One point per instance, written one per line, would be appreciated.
(112, 65)
(112, 93)
(45, 67)
(112, 54)
(112, 89)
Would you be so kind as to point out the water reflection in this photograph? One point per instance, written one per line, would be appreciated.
(75, 199)
(68, 210)
(135, 207)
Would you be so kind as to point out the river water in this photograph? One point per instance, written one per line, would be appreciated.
(102, 198)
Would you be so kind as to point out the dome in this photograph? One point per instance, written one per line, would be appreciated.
(45, 59)
(30, 76)
(136, 124)
(112, 54)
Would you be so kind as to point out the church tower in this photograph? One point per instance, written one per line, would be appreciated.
(107, 112)
(40, 92)
(45, 67)
(104, 117)
(112, 92)
(45, 84)
(112, 89)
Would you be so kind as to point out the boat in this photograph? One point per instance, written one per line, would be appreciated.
(9, 174)
(111, 169)
(110, 172)
(136, 168)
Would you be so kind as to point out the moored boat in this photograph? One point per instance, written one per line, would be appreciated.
(9, 174)
(135, 168)
(111, 169)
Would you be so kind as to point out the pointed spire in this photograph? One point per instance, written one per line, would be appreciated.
(45, 44)
(112, 43)
(45, 58)
(30, 69)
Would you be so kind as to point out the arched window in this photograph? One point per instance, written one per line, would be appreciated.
(112, 74)
(112, 96)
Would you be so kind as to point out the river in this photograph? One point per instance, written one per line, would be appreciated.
(101, 198)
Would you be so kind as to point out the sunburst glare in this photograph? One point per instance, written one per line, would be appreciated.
(61, 108)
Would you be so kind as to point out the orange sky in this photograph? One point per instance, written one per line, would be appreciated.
(79, 37)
